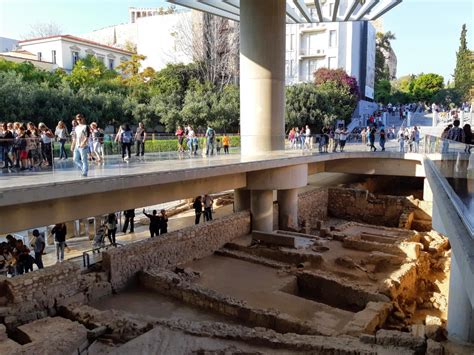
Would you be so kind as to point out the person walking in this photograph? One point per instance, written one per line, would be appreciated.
(39, 246)
(112, 228)
(163, 224)
(208, 201)
(342, 139)
(372, 139)
(79, 144)
(126, 140)
(7, 143)
(197, 205)
(59, 231)
(401, 140)
(140, 138)
(382, 139)
(129, 219)
(61, 134)
(180, 134)
(210, 139)
(154, 223)
(337, 134)
(97, 141)
(46, 143)
(468, 138)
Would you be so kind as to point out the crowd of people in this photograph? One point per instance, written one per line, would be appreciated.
(189, 142)
(16, 258)
(454, 132)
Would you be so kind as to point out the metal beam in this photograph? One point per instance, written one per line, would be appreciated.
(335, 10)
(234, 3)
(366, 9)
(222, 6)
(291, 13)
(386, 9)
(304, 10)
(318, 10)
(192, 4)
(351, 10)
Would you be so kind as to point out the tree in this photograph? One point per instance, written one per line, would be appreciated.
(463, 71)
(214, 44)
(43, 30)
(303, 106)
(339, 77)
(383, 90)
(88, 72)
(383, 48)
(426, 86)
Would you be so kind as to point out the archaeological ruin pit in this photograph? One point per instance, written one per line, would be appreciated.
(363, 274)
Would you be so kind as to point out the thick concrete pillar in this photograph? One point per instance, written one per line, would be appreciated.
(241, 200)
(261, 208)
(288, 209)
(460, 309)
(262, 75)
(427, 193)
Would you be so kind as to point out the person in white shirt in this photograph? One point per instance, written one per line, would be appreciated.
(337, 136)
(307, 139)
(79, 144)
(342, 139)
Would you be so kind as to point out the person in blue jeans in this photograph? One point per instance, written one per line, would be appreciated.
(80, 144)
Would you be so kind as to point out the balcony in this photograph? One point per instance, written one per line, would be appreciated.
(312, 52)
(312, 27)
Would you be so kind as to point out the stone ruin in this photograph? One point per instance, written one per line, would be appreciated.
(359, 277)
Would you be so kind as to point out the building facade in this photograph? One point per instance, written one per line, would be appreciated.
(65, 50)
(7, 44)
(333, 45)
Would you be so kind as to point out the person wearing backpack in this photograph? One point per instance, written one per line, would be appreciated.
(456, 133)
(210, 139)
(126, 139)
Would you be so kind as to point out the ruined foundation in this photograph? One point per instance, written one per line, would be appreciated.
(363, 275)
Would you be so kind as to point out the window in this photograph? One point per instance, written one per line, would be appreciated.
(53, 57)
(292, 39)
(75, 57)
(101, 59)
(315, 41)
(332, 63)
(289, 68)
(331, 9)
(111, 64)
(332, 38)
(312, 67)
(39, 56)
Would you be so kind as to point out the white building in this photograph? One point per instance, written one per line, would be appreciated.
(154, 34)
(66, 50)
(346, 45)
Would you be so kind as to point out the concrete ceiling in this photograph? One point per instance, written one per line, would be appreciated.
(297, 11)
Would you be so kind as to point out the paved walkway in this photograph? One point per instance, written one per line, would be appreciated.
(65, 171)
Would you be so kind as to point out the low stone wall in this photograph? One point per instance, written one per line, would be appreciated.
(312, 206)
(38, 294)
(362, 206)
(180, 246)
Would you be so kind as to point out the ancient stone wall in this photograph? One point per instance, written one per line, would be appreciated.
(362, 206)
(180, 246)
(312, 206)
(38, 294)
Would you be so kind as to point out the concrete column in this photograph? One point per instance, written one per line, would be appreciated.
(261, 208)
(262, 75)
(427, 193)
(241, 200)
(460, 309)
(288, 209)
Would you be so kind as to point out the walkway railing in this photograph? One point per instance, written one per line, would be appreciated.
(457, 179)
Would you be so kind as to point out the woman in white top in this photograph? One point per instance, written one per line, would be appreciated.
(97, 138)
(46, 143)
(61, 134)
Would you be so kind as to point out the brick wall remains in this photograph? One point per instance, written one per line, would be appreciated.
(362, 206)
(312, 206)
(38, 294)
(180, 246)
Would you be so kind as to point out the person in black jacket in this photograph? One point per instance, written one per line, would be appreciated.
(154, 223)
(59, 231)
(163, 222)
(129, 219)
(197, 205)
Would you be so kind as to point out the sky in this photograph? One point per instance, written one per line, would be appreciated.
(427, 31)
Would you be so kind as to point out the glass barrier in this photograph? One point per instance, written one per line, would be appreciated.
(21, 156)
(454, 165)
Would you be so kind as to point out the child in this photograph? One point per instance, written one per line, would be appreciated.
(218, 146)
(225, 142)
